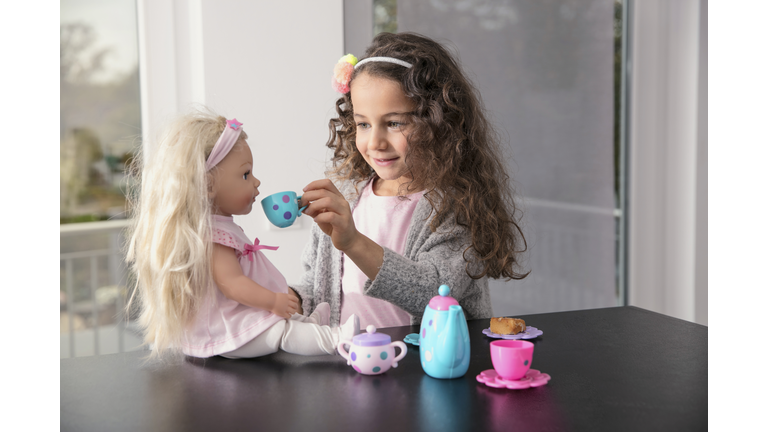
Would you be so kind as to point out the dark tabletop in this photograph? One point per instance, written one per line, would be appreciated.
(614, 369)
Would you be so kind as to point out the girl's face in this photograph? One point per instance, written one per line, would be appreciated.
(381, 113)
(234, 186)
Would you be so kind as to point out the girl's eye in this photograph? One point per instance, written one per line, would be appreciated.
(362, 125)
(245, 176)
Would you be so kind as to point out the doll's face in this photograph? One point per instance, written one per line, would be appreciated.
(234, 188)
(381, 114)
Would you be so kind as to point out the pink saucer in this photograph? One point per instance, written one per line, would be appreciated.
(532, 378)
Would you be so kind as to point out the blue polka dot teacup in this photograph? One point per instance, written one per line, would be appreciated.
(282, 208)
(372, 353)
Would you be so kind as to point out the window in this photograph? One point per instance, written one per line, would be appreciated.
(550, 76)
(100, 110)
(100, 130)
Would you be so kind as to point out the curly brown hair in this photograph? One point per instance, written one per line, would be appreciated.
(457, 152)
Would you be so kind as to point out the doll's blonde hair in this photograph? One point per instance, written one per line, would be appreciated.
(170, 232)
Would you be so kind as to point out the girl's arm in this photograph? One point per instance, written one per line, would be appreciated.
(411, 283)
(330, 210)
(236, 286)
(433, 259)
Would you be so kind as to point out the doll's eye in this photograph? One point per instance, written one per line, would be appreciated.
(245, 176)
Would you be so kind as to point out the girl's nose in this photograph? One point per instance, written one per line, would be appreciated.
(378, 139)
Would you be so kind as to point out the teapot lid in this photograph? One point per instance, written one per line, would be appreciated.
(443, 301)
(371, 338)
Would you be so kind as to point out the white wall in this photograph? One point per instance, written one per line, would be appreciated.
(668, 159)
(269, 64)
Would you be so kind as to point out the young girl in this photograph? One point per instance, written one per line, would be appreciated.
(422, 199)
(204, 288)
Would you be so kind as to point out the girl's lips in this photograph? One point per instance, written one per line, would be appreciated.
(384, 162)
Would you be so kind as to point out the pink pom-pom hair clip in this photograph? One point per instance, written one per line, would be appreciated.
(342, 73)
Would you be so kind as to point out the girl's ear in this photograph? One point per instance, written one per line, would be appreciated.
(211, 185)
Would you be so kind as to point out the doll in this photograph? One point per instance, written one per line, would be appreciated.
(203, 287)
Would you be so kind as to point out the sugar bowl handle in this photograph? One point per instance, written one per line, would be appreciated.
(403, 351)
(344, 353)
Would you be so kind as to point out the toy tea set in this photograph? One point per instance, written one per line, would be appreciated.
(444, 349)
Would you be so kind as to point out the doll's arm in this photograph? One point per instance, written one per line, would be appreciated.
(238, 287)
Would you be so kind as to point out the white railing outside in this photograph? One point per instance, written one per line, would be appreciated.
(94, 291)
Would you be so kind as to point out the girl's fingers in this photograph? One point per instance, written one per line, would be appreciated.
(326, 204)
(317, 194)
(329, 218)
(321, 184)
(318, 189)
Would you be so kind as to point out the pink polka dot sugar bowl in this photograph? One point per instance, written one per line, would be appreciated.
(372, 353)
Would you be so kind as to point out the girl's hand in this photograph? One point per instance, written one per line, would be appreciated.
(285, 305)
(331, 212)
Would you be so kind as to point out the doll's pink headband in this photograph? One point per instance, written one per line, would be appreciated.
(342, 72)
(225, 143)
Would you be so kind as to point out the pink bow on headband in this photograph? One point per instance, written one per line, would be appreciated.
(250, 249)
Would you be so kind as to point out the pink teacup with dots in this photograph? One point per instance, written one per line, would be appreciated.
(511, 358)
(372, 353)
(282, 208)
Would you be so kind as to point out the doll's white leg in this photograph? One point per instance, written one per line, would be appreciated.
(321, 315)
(311, 339)
(306, 338)
(302, 318)
(263, 344)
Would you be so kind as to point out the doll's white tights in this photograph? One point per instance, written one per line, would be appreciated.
(299, 335)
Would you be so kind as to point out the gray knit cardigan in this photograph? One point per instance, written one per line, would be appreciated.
(409, 280)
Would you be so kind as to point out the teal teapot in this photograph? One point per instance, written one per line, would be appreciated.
(444, 337)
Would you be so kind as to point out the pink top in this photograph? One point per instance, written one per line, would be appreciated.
(385, 220)
(221, 324)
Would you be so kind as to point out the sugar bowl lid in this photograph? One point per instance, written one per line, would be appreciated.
(371, 338)
(443, 301)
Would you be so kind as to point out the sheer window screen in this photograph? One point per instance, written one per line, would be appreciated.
(545, 72)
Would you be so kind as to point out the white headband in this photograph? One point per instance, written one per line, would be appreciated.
(383, 59)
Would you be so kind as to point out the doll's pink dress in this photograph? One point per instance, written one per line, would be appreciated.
(221, 324)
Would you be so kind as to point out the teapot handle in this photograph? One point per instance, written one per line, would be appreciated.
(403, 351)
(342, 352)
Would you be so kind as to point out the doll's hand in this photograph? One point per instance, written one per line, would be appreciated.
(285, 305)
(331, 212)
